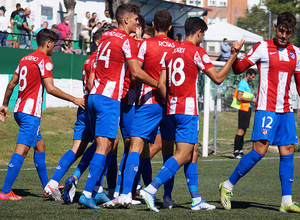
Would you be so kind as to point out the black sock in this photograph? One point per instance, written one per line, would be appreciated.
(238, 144)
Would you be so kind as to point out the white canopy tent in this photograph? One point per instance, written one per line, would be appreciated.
(217, 32)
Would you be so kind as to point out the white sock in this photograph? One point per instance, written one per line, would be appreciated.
(87, 194)
(116, 194)
(286, 200)
(151, 189)
(98, 189)
(53, 183)
(228, 185)
(197, 200)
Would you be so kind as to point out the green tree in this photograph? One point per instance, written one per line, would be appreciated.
(278, 6)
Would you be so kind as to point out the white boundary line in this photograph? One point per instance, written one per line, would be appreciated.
(160, 162)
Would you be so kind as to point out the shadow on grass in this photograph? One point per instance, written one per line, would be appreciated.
(24, 193)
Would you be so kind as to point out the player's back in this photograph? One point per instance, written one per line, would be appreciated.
(183, 64)
(31, 69)
(152, 52)
(114, 49)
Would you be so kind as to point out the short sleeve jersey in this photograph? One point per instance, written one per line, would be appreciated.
(88, 67)
(114, 49)
(183, 64)
(243, 86)
(130, 93)
(276, 67)
(31, 70)
(152, 52)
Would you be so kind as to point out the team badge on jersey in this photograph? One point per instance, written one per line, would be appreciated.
(265, 131)
(292, 55)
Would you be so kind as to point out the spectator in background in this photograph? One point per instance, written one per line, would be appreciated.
(16, 27)
(225, 50)
(14, 13)
(178, 38)
(85, 31)
(114, 23)
(67, 46)
(107, 16)
(3, 27)
(64, 27)
(96, 28)
(26, 29)
(44, 25)
(58, 44)
(92, 23)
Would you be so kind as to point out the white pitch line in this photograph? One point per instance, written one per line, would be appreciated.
(154, 162)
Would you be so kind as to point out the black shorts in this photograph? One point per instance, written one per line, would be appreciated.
(244, 118)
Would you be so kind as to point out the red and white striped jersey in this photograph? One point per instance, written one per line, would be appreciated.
(276, 67)
(115, 47)
(183, 64)
(31, 69)
(88, 67)
(152, 52)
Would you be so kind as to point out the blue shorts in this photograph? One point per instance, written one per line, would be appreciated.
(165, 127)
(126, 119)
(104, 113)
(277, 128)
(146, 120)
(184, 128)
(29, 131)
(81, 130)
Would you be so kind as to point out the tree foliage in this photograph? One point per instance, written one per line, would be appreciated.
(278, 6)
(70, 6)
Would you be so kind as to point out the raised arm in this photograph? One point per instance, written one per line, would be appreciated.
(218, 77)
(53, 90)
(9, 90)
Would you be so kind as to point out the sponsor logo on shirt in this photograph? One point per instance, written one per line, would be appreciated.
(166, 44)
(206, 58)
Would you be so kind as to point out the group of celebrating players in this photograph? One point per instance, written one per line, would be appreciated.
(149, 89)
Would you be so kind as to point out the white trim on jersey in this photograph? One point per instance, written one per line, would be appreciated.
(173, 104)
(189, 106)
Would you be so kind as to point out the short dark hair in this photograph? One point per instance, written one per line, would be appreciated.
(194, 24)
(44, 35)
(21, 9)
(54, 26)
(286, 20)
(251, 72)
(18, 5)
(94, 13)
(148, 30)
(142, 22)
(179, 36)
(97, 35)
(87, 12)
(126, 8)
(162, 20)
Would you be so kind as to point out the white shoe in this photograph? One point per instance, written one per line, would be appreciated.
(135, 202)
(149, 199)
(168, 203)
(53, 192)
(123, 199)
(202, 205)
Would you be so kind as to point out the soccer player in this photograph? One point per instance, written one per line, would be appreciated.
(277, 61)
(116, 47)
(149, 110)
(183, 64)
(81, 137)
(33, 73)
